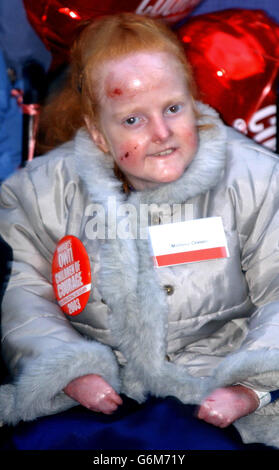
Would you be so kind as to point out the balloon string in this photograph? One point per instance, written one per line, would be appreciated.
(31, 110)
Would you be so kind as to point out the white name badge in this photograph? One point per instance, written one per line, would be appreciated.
(188, 242)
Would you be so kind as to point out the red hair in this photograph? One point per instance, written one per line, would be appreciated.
(101, 40)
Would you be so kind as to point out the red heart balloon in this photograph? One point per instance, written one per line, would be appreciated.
(235, 58)
(56, 21)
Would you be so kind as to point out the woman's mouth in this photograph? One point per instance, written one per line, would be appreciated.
(162, 153)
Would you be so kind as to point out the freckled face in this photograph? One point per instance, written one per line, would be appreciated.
(147, 121)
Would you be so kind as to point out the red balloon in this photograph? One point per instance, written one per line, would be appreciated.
(235, 59)
(56, 21)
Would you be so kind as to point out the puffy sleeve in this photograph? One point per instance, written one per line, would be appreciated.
(41, 348)
(256, 361)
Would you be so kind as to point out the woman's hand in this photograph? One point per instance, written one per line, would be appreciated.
(93, 392)
(223, 406)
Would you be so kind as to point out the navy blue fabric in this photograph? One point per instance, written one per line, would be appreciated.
(18, 39)
(271, 7)
(10, 124)
(19, 44)
(274, 395)
(158, 424)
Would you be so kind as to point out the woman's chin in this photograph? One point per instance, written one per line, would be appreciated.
(170, 177)
(152, 182)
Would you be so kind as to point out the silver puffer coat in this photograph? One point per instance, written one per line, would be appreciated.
(176, 331)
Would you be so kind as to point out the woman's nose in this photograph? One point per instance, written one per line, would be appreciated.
(160, 130)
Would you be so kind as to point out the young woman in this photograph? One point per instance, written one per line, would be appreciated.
(127, 129)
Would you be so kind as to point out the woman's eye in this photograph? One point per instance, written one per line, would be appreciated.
(131, 121)
(174, 109)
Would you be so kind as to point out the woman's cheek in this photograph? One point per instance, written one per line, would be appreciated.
(127, 155)
(191, 138)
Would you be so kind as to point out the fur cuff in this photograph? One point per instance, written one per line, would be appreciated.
(258, 368)
(38, 388)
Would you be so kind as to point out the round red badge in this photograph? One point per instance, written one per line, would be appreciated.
(71, 275)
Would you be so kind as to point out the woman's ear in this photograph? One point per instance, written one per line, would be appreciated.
(96, 135)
